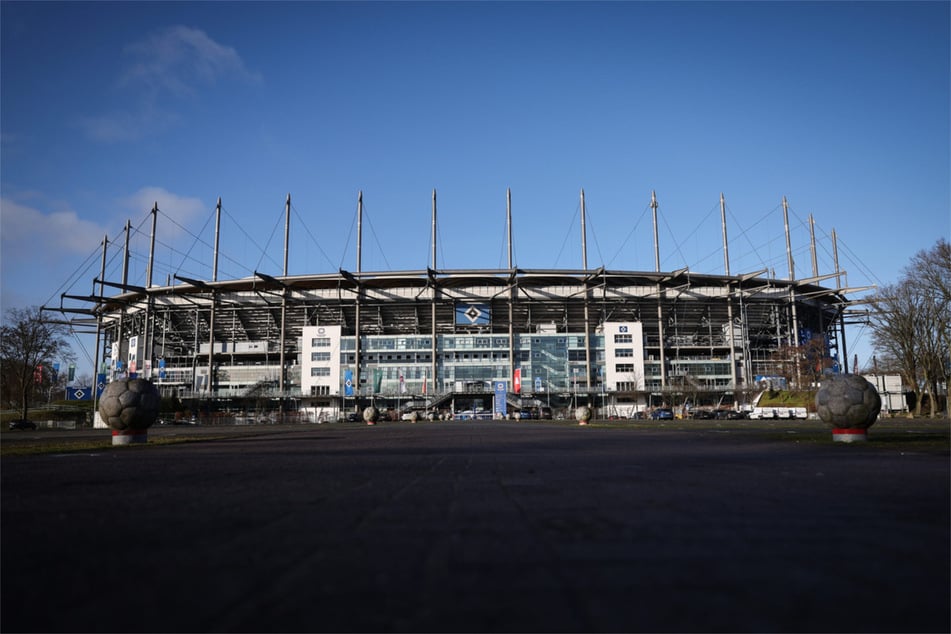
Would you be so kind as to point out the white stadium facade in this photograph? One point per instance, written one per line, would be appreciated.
(470, 342)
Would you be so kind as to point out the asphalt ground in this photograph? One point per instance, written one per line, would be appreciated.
(490, 526)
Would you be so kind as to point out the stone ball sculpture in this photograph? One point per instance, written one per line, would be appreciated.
(130, 407)
(848, 403)
(583, 414)
(371, 415)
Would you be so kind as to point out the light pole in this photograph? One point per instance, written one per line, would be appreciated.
(604, 404)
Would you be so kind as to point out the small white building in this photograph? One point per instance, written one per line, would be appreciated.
(891, 390)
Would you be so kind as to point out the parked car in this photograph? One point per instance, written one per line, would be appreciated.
(354, 417)
(525, 414)
(730, 414)
(662, 413)
(22, 423)
(702, 414)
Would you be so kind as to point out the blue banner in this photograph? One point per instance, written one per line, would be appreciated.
(100, 384)
(348, 382)
(161, 368)
(473, 314)
(501, 407)
(79, 394)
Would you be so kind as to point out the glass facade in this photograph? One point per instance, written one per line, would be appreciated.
(548, 362)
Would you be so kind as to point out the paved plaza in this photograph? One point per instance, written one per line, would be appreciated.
(494, 526)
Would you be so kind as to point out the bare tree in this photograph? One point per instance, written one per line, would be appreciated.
(28, 346)
(933, 277)
(911, 322)
(805, 364)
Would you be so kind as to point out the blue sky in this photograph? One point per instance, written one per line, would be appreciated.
(106, 108)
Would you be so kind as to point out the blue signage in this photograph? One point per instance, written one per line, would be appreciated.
(348, 382)
(79, 394)
(473, 314)
(501, 407)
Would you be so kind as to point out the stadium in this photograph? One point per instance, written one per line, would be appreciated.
(508, 342)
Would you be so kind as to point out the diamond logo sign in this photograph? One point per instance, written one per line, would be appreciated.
(472, 314)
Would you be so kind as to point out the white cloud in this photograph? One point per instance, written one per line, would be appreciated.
(44, 252)
(178, 61)
(26, 230)
(181, 58)
(186, 212)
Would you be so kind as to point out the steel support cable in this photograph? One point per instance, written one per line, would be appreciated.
(571, 224)
(247, 235)
(676, 245)
(502, 249)
(346, 244)
(264, 253)
(195, 241)
(858, 263)
(314, 239)
(75, 277)
(172, 250)
(745, 234)
(855, 259)
(630, 233)
(375, 238)
(696, 265)
(439, 246)
(594, 235)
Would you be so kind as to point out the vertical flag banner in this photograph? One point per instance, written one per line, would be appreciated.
(161, 368)
(424, 384)
(55, 372)
(100, 383)
(517, 383)
(133, 355)
(500, 406)
(38, 374)
(114, 355)
(402, 383)
(72, 372)
(377, 380)
(348, 382)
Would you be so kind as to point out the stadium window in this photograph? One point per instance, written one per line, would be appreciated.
(320, 342)
(320, 371)
(623, 338)
(624, 352)
(320, 356)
